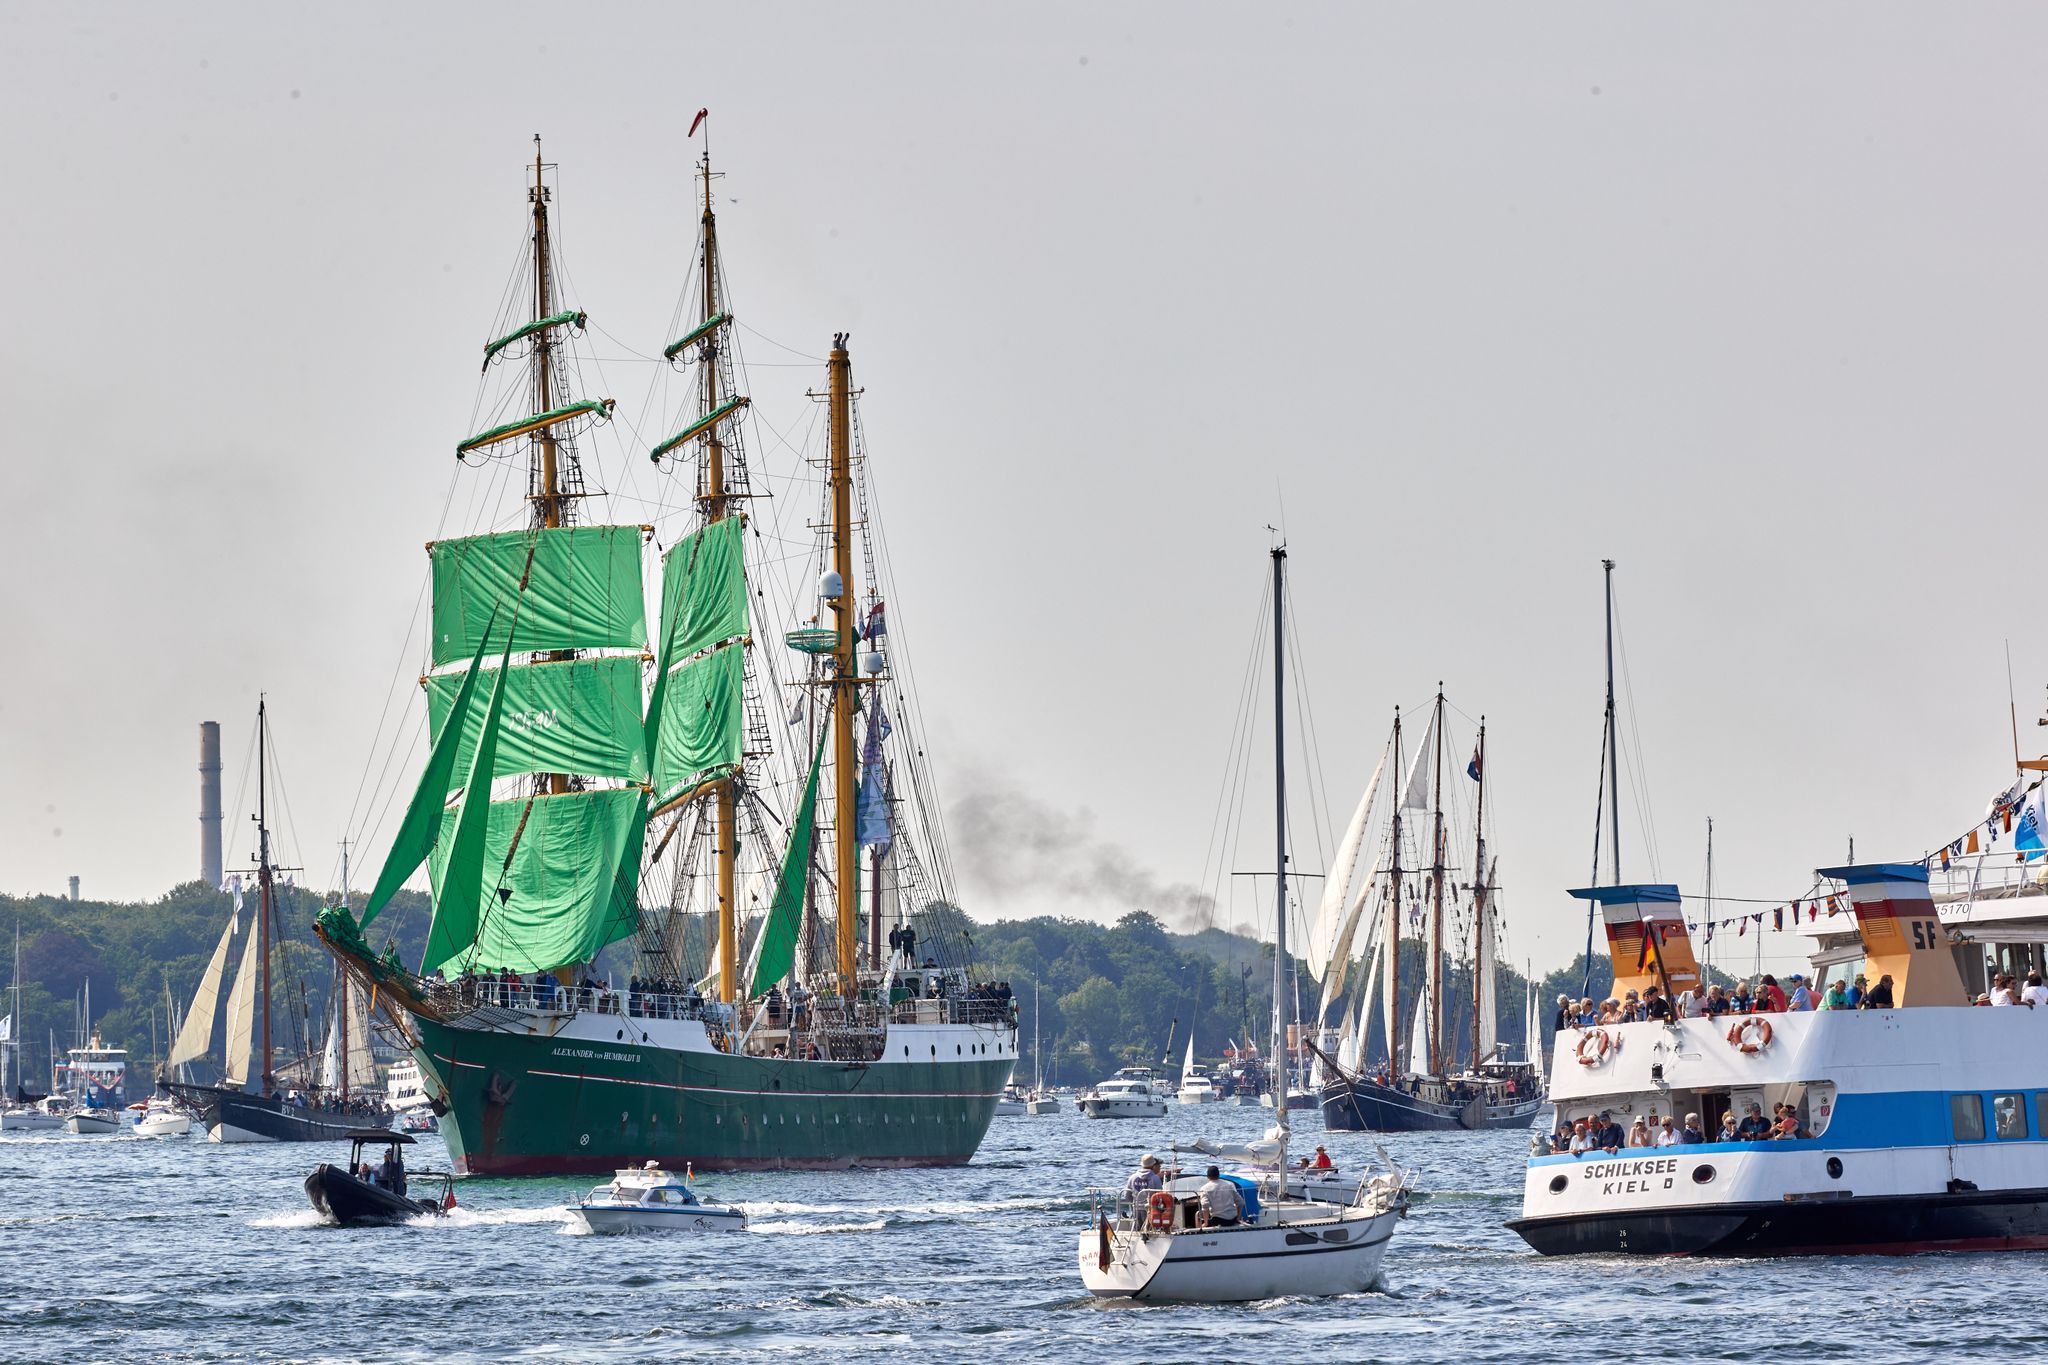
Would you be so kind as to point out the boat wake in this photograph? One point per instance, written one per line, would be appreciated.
(790, 1227)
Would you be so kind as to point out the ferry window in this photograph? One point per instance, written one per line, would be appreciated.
(1966, 1115)
(2041, 1112)
(2009, 1116)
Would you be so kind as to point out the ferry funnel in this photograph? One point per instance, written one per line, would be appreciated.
(1902, 934)
(1645, 932)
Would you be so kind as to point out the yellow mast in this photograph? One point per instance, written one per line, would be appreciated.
(846, 680)
(725, 800)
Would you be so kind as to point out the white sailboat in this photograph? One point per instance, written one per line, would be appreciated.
(21, 1112)
(1040, 1100)
(1162, 1244)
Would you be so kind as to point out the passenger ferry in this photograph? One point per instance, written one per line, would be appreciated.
(1923, 1127)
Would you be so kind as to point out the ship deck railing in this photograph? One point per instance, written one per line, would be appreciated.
(824, 1014)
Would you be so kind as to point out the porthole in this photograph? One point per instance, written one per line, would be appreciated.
(622, 1035)
(906, 1049)
(1702, 1175)
(1834, 1168)
(956, 1049)
(1558, 1184)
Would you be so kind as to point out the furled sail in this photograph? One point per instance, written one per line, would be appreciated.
(1483, 968)
(330, 1056)
(1329, 936)
(195, 1035)
(578, 587)
(362, 1060)
(1351, 1041)
(564, 716)
(776, 952)
(1418, 1036)
(241, 1045)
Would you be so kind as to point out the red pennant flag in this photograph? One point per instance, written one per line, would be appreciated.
(1742, 928)
(702, 114)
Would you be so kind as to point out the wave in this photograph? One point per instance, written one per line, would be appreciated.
(792, 1228)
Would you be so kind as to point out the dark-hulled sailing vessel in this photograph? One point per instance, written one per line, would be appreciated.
(745, 864)
(289, 1101)
(1431, 1086)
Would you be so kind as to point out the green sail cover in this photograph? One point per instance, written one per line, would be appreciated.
(704, 588)
(572, 716)
(574, 880)
(423, 815)
(582, 590)
(700, 728)
(460, 845)
(778, 935)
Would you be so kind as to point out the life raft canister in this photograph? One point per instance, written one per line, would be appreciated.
(1594, 1045)
(1739, 1034)
(1159, 1211)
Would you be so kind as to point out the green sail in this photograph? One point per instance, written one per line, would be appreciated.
(458, 899)
(573, 882)
(578, 587)
(704, 588)
(700, 728)
(422, 822)
(778, 935)
(568, 716)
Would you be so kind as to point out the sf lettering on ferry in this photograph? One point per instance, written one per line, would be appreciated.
(1632, 1177)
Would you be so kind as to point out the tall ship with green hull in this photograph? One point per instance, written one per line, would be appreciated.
(690, 902)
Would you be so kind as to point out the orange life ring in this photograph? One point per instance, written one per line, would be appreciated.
(1159, 1211)
(1739, 1034)
(1594, 1045)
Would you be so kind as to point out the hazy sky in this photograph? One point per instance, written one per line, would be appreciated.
(1748, 298)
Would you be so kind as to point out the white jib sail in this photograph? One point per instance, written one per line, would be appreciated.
(1351, 1047)
(330, 1056)
(1188, 1069)
(195, 1035)
(1418, 1036)
(362, 1061)
(241, 1044)
(1415, 796)
(1329, 935)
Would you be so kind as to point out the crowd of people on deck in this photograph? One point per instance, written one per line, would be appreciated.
(1765, 995)
(1602, 1134)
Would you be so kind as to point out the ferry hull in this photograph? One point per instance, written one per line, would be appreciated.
(1363, 1107)
(529, 1104)
(2006, 1220)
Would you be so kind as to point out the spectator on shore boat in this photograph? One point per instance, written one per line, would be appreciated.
(1801, 998)
(1982, 999)
(1222, 1205)
(1589, 1013)
(1692, 1005)
(1690, 1135)
(1787, 1126)
(1566, 1016)
(1639, 1134)
(1666, 1134)
(1654, 1007)
(1561, 1139)
(1879, 996)
(1741, 999)
(1582, 1138)
(1146, 1178)
(2035, 994)
(1770, 996)
(1857, 991)
(2002, 992)
(1716, 1001)
(1754, 1126)
(1728, 1131)
(1608, 1135)
(1322, 1161)
(1836, 997)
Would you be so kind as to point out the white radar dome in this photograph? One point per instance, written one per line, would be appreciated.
(830, 586)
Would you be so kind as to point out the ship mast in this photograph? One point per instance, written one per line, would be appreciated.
(1283, 1059)
(712, 500)
(1435, 975)
(846, 676)
(1393, 929)
(263, 877)
(547, 495)
(1481, 961)
(1613, 752)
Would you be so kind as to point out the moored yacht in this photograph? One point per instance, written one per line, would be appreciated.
(1197, 1086)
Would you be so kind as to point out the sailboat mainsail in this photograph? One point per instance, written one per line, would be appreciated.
(240, 1052)
(1418, 1037)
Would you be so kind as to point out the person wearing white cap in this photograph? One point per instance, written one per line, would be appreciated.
(1146, 1178)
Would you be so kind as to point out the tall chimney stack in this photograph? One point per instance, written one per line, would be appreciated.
(209, 802)
(74, 890)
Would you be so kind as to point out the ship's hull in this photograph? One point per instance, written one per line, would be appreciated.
(2003, 1220)
(532, 1104)
(1364, 1107)
(236, 1116)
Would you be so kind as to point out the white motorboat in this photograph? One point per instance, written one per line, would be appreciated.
(650, 1199)
(1010, 1103)
(1127, 1095)
(158, 1117)
(1230, 1237)
(1042, 1102)
(45, 1116)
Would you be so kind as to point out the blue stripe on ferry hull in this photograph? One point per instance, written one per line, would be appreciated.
(2001, 1220)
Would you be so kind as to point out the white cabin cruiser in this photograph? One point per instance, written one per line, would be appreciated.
(93, 1121)
(1921, 1126)
(159, 1117)
(1127, 1095)
(1011, 1103)
(1041, 1102)
(46, 1115)
(650, 1199)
